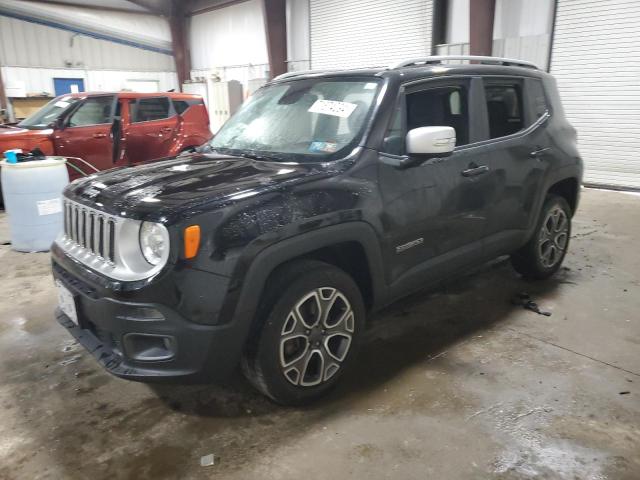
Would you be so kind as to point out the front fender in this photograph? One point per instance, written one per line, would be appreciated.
(250, 275)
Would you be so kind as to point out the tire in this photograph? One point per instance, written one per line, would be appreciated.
(543, 254)
(294, 359)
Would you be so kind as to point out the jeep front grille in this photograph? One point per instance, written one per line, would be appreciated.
(90, 229)
(107, 244)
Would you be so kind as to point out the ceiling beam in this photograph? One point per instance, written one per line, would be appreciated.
(161, 7)
(64, 3)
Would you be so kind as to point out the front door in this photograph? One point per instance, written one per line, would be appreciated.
(435, 213)
(152, 129)
(86, 133)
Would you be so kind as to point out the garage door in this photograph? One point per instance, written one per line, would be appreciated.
(595, 55)
(364, 33)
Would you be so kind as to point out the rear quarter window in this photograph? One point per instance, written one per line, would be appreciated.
(539, 102)
(180, 106)
(149, 109)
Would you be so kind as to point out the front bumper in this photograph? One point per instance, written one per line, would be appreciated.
(114, 324)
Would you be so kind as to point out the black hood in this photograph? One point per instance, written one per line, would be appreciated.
(194, 182)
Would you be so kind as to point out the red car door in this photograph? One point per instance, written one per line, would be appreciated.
(86, 133)
(151, 130)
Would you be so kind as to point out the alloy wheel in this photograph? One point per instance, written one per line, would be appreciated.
(553, 237)
(316, 337)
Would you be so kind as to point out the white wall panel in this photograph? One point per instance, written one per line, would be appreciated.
(298, 35)
(28, 44)
(595, 60)
(457, 22)
(361, 33)
(229, 36)
(522, 30)
(40, 80)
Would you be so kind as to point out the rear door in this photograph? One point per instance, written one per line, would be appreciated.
(86, 133)
(152, 129)
(517, 151)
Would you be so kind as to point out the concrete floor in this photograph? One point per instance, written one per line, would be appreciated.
(458, 384)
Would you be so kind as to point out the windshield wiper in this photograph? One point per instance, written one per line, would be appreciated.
(250, 154)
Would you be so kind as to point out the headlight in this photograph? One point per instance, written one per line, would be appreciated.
(154, 242)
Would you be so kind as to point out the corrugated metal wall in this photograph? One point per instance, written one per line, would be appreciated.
(595, 56)
(149, 30)
(32, 55)
(26, 44)
(361, 33)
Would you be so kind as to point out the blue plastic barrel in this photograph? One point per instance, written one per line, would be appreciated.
(32, 194)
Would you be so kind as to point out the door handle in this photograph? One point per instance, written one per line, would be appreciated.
(539, 152)
(99, 135)
(166, 129)
(474, 170)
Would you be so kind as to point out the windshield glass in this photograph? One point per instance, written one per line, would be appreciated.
(304, 120)
(49, 113)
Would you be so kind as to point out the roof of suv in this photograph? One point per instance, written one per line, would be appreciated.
(415, 71)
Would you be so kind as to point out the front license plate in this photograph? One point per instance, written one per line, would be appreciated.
(67, 303)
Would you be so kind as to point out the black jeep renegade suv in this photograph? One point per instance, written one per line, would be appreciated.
(327, 196)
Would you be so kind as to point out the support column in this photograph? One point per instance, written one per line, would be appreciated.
(275, 23)
(180, 41)
(481, 14)
(4, 102)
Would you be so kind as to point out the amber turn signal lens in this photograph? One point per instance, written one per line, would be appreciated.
(191, 241)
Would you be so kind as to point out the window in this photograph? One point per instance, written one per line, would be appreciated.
(394, 139)
(48, 114)
(180, 106)
(435, 107)
(93, 111)
(538, 98)
(504, 106)
(148, 109)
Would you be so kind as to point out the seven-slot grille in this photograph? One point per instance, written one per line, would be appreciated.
(90, 229)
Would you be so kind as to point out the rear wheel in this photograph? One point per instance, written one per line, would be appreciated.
(542, 256)
(314, 320)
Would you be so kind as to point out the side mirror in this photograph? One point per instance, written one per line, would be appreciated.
(431, 142)
(57, 124)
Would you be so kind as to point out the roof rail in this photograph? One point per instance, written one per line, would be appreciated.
(293, 74)
(474, 58)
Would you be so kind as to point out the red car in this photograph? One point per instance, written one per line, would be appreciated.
(112, 129)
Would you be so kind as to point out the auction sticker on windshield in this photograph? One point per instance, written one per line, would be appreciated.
(333, 107)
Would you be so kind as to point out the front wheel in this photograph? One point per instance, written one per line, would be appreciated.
(314, 320)
(542, 256)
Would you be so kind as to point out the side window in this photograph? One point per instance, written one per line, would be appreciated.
(394, 139)
(538, 98)
(148, 109)
(93, 111)
(504, 107)
(440, 107)
(180, 106)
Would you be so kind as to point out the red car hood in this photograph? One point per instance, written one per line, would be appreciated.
(16, 137)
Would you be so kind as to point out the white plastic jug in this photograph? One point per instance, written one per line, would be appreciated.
(32, 194)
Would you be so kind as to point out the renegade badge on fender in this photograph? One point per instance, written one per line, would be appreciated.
(327, 196)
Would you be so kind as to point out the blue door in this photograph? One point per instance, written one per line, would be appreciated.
(68, 85)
